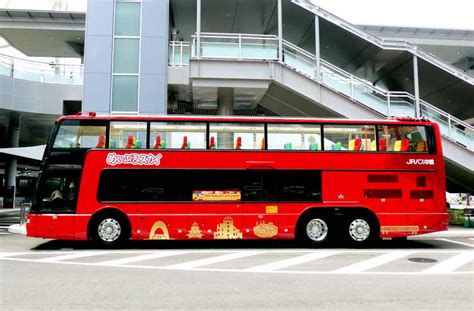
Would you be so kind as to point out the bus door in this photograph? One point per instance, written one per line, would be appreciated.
(260, 210)
(55, 204)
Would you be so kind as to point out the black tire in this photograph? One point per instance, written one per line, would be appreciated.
(109, 230)
(314, 230)
(362, 229)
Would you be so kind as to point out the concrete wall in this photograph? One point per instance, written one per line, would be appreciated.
(153, 83)
(98, 56)
(36, 97)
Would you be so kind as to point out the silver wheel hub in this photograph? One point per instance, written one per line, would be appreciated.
(317, 229)
(109, 230)
(359, 230)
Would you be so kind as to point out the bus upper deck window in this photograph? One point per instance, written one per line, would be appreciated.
(236, 136)
(403, 138)
(339, 137)
(294, 137)
(178, 135)
(80, 136)
(129, 135)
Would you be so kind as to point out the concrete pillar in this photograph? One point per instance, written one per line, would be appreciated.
(416, 87)
(225, 107)
(225, 101)
(11, 166)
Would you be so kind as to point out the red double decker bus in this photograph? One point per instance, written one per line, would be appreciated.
(114, 178)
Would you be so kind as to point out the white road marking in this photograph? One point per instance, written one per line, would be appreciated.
(5, 233)
(5, 255)
(127, 260)
(291, 261)
(215, 259)
(373, 262)
(70, 256)
(471, 239)
(456, 242)
(451, 264)
(446, 267)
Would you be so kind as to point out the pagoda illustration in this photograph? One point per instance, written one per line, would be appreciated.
(195, 233)
(227, 230)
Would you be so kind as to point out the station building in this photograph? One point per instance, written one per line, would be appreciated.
(233, 57)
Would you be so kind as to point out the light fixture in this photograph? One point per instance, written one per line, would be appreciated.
(78, 38)
(458, 52)
(51, 37)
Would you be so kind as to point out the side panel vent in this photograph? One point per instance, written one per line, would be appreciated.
(422, 194)
(383, 193)
(382, 178)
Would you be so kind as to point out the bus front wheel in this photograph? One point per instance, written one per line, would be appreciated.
(109, 230)
(315, 230)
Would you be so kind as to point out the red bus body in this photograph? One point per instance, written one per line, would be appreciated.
(350, 180)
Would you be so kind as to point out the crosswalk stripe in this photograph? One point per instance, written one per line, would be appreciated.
(10, 254)
(372, 262)
(128, 260)
(451, 264)
(291, 261)
(215, 259)
(70, 256)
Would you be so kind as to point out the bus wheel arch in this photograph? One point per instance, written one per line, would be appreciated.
(109, 227)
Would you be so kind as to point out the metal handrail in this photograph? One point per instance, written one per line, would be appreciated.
(376, 89)
(384, 43)
(41, 71)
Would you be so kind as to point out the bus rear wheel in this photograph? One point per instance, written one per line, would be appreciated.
(315, 230)
(109, 230)
(361, 229)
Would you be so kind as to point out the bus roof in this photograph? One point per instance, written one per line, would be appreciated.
(136, 118)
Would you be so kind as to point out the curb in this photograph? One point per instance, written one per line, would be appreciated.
(18, 229)
(449, 234)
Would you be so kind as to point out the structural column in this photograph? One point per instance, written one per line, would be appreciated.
(225, 107)
(416, 87)
(280, 32)
(317, 48)
(11, 166)
(198, 29)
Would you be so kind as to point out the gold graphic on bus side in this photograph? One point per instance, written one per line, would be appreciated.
(195, 232)
(389, 229)
(263, 230)
(227, 230)
(159, 231)
(271, 209)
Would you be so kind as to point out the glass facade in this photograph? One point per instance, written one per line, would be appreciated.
(126, 56)
(127, 19)
(125, 93)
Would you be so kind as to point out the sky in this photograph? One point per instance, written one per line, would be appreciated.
(452, 14)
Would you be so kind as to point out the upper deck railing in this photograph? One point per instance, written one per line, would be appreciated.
(388, 103)
(45, 72)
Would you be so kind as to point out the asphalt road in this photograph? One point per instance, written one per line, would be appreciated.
(420, 274)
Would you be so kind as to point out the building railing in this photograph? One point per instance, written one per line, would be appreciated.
(388, 103)
(179, 53)
(44, 72)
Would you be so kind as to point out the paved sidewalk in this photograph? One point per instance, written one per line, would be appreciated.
(453, 232)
